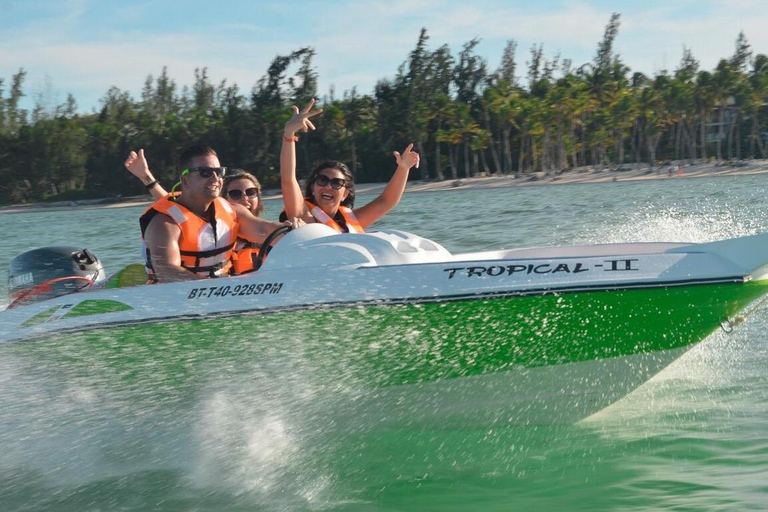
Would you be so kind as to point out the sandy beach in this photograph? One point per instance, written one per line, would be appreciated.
(630, 172)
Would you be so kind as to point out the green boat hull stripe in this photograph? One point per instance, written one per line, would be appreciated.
(500, 333)
(40, 317)
(96, 307)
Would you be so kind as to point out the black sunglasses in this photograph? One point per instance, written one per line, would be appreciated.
(238, 194)
(207, 172)
(336, 183)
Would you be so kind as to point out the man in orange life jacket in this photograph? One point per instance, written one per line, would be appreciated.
(191, 235)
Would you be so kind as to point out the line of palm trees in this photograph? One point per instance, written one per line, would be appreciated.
(599, 114)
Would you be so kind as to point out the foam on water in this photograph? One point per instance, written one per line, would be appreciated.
(257, 441)
(672, 225)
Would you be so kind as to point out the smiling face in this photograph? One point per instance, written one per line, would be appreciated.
(198, 188)
(326, 197)
(237, 192)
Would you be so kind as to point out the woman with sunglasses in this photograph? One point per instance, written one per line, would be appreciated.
(243, 188)
(240, 187)
(329, 193)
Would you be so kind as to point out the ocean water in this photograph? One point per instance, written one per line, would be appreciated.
(85, 426)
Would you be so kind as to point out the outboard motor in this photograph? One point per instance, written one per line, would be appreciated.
(51, 272)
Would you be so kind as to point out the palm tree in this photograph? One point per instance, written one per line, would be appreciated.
(758, 80)
(502, 99)
(654, 114)
(706, 100)
(723, 82)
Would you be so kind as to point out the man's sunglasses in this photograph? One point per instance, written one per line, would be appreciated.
(336, 183)
(238, 194)
(207, 172)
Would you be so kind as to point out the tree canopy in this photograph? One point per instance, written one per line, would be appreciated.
(464, 118)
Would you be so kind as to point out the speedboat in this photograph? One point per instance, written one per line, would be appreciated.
(531, 335)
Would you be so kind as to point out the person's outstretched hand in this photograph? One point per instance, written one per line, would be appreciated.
(137, 164)
(300, 120)
(408, 159)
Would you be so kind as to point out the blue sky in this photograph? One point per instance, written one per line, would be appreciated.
(85, 46)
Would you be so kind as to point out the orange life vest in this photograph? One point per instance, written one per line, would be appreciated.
(243, 257)
(351, 222)
(205, 246)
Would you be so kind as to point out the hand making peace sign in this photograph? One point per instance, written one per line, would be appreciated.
(300, 120)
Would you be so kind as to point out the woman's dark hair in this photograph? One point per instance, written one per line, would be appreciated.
(349, 202)
(240, 174)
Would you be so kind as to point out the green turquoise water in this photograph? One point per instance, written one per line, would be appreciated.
(246, 417)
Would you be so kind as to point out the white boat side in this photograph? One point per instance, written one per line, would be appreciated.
(311, 268)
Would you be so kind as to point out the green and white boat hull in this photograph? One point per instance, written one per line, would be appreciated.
(417, 334)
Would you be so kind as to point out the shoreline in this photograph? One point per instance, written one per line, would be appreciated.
(584, 175)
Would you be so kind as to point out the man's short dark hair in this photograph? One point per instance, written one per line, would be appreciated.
(186, 156)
